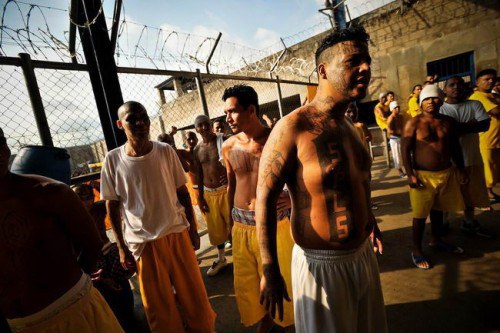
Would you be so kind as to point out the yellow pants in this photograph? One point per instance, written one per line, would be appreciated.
(248, 271)
(218, 216)
(88, 314)
(441, 191)
(193, 193)
(491, 161)
(474, 192)
(171, 262)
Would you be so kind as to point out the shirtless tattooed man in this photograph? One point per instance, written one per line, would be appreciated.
(316, 151)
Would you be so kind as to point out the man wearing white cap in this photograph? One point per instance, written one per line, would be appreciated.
(382, 111)
(430, 142)
(394, 131)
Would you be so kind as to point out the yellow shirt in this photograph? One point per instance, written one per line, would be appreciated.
(491, 138)
(413, 108)
(381, 121)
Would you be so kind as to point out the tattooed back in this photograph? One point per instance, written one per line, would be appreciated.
(38, 259)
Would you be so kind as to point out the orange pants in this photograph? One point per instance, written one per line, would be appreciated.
(171, 262)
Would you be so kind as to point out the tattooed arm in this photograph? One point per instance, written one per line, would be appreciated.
(278, 152)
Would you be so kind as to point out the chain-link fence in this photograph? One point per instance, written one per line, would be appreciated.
(172, 99)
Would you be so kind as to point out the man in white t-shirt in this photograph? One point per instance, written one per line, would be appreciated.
(144, 180)
(471, 119)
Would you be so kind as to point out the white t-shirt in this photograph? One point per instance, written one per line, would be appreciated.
(463, 113)
(146, 188)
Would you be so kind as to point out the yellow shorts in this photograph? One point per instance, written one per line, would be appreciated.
(218, 216)
(248, 271)
(475, 193)
(441, 191)
(88, 314)
(491, 161)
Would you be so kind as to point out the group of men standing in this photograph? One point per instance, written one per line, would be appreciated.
(312, 164)
(294, 203)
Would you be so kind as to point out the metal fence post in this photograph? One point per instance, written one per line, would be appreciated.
(36, 100)
(161, 96)
(201, 92)
(280, 98)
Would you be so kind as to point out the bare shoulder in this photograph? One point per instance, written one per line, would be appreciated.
(304, 119)
(230, 141)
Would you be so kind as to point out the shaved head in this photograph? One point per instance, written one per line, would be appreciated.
(129, 106)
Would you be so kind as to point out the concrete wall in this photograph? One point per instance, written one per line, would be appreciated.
(402, 44)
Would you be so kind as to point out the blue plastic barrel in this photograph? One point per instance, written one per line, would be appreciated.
(46, 161)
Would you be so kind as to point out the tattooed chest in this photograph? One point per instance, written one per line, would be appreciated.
(208, 154)
(335, 165)
(245, 161)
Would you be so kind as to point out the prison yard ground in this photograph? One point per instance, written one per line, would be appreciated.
(460, 294)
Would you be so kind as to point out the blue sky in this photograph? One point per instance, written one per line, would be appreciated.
(255, 23)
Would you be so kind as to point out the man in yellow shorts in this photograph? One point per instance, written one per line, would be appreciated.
(471, 119)
(212, 189)
(430, 142)
(42, 286)
(382, 111)
(242, 155)
(489, 141)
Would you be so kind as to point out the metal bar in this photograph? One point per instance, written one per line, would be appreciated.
(280, 97)
(201, 92)
(116, 21)
(73, 13)
(212, 52)
(36, 100)
(279, 59)
(102, 69)
(130, 70)
(10, 61)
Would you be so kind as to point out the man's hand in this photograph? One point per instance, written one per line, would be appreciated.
(272, 291)
(464, 177)
(173, 131)
(195, 238)
(202, 203)
(284, 201)
(376, 238)
(127, 259)
(414, 182)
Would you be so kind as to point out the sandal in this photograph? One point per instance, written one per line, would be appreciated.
(418, 261)
(444, 247)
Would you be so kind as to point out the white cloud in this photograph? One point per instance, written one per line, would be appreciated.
(265, 37)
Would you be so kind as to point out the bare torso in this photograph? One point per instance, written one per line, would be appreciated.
(329, 182)
(395, 126)
(38, 262)
(244, 157)
(432, 139)
(212, 168)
